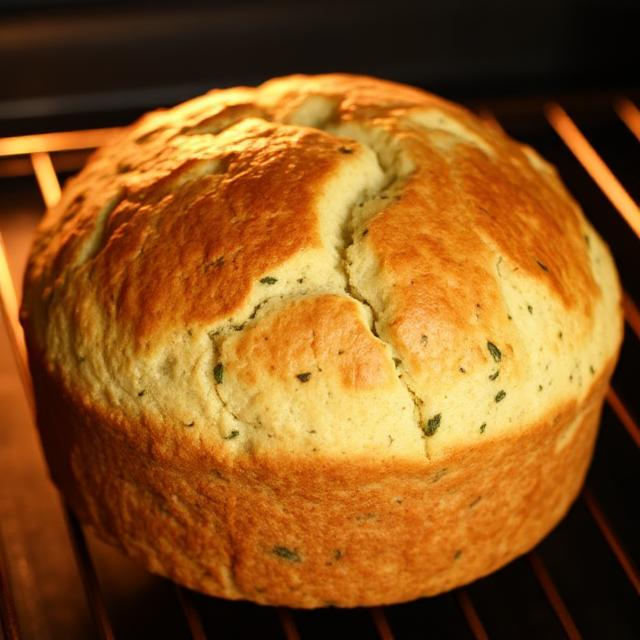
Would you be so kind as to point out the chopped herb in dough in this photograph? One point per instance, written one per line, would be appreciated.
(493, 376)
(483, 426)
(432, 425)
(529, 308)
(457, 554)
(542, 265)
(439, 474)
(218, 372)
(268, 280)
(234, 434)
(286, 554)
(496, 354)
(304, 377)
(500, 395)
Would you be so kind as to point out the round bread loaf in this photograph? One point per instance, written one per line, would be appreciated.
(328, 341)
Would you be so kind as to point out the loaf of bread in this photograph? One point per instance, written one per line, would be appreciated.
(327, 341)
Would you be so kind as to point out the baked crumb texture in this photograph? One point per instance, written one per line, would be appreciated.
(330, 340)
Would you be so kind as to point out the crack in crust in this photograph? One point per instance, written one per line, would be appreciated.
(371, 204)
(392, 185)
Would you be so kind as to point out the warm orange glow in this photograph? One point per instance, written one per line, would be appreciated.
(9, 306)
(471, 615)
(595, 166)
(631, 313)
(88, 575)
(623, 415)
(288, 625)
(490, 120)
(46, 177)
(630, 115)
(553, 596)
(59, 141)
(190, 613)
(380, 621)
(612, 539)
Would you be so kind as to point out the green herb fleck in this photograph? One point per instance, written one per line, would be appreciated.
(268, 280)
(493, 376)
(509, 317)
(529, 308)
(304, 377)
(560, 334)
(218, 372)
(592, 369)
(483, 426)
(457, 554)
(542, 265)
(496, 354)
(500, 395)
(462, 370)
(397, 362)
(439, 474)
(424, 340)
(432, 425)
(124, 167)
(140, 393)
(286, 554)
(234, 434)
(540, 387)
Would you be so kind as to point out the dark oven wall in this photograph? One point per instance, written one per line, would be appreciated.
(68, 63)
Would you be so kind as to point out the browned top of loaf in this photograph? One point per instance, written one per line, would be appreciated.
(196, 217)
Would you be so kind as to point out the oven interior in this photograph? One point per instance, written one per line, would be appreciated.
(58, 581)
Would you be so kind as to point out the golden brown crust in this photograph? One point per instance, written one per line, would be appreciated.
(311, 533)
(269, 319)
(326, 331)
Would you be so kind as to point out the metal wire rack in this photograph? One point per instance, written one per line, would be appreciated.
(542, 595)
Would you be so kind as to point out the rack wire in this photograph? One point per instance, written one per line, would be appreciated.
(39, 150)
